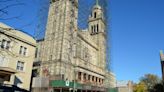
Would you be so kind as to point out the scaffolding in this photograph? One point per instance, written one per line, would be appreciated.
(84, 10)
(74, 18)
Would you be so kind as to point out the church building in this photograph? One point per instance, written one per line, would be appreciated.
(72, 59)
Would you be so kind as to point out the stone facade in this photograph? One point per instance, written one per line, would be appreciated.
(59, 40)
(72, 54)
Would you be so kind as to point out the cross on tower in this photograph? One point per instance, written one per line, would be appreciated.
(97, 2)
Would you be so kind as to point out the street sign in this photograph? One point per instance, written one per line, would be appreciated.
(67, 83)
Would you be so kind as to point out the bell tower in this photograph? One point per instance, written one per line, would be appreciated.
(96, 20)
(97, 30)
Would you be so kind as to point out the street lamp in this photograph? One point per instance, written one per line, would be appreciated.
(74, 86)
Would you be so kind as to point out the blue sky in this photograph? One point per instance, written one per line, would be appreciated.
(137, 29)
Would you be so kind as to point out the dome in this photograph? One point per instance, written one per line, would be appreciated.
(97, 7)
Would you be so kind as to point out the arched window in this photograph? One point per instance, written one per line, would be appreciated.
(94, 28)
(95, 15)
(97, 28)
(91, 29)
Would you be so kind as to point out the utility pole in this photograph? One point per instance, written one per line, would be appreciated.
(74, 86)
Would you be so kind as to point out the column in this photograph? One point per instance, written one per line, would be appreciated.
(76, 75)
(82, 77)
(87, 78)
(90, 78)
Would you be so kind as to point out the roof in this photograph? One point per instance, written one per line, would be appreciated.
(85, 36)
(17, 34)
